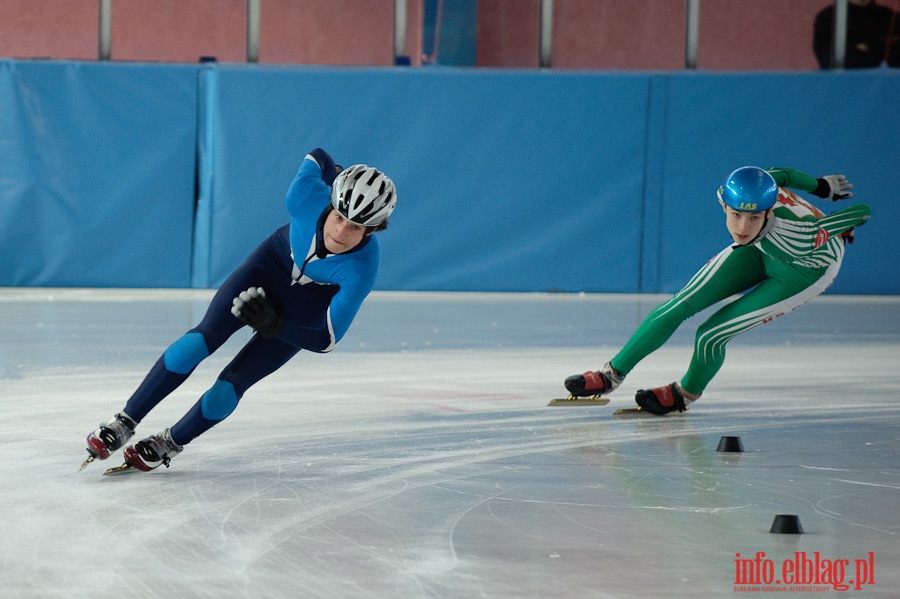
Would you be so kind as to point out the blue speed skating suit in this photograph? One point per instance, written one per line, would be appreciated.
(317, 294)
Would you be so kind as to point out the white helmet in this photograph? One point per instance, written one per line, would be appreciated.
(363, 195)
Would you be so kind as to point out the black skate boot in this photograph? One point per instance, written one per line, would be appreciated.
(150, 453)
(662, 400)
(594, 383)
(110, 436)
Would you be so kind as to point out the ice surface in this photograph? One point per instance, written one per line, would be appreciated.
(420, 460)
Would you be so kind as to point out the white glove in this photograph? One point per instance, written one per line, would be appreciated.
(834, 188)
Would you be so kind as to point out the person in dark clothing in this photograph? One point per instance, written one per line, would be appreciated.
(872, 36)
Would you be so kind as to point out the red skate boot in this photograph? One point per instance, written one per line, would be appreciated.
(594, 383)
(110, 436)
(662, 400)
(152, 452)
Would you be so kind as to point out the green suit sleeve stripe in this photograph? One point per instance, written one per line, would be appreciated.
(846, 219)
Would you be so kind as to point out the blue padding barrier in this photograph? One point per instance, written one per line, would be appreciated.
(501, 178)
(169, 175)
(96, 174)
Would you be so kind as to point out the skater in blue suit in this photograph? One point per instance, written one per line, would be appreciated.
(300, 289)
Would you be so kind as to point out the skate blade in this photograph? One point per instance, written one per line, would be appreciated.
(126, 467)
(593, 400)
(638, 410)
(84, 464)
(625, 411)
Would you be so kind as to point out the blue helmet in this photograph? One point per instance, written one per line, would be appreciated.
(749, 189)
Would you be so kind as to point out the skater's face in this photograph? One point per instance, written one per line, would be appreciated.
(341, 235)
(744, 226)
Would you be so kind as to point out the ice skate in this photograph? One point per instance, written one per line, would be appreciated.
(594, 383)
(152, 452)
(109, 437)
(662, 400)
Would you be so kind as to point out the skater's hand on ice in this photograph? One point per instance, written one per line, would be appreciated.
(253, 309)
(834, 188)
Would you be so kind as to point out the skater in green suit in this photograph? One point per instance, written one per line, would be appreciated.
(785, 253)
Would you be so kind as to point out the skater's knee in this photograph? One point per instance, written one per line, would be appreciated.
(183, 356)
(219, 401)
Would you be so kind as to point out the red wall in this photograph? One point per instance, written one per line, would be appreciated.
(178, 30)
(343, 32)
(763, 34)
(49, 29)
(650, 34)
(587, 34)
(335, 32)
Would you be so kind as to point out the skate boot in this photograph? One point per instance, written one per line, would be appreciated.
(150, 453)
(662, 400)
(594, 383)
(110, 436)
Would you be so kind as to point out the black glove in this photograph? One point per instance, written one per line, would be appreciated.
(253, 309)
(834, 188)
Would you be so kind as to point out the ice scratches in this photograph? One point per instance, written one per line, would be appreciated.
(630, 506)
(846, 519)
(859, 482)
(824, 468)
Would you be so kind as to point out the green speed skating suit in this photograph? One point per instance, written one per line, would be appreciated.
(795, 258)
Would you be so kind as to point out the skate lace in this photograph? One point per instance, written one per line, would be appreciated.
(149, 450)
(109, 437)
(158, 448)
(115, 433)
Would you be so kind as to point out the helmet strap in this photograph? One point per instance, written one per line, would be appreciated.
(764, 230)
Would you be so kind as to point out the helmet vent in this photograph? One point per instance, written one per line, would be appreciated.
(364, 195)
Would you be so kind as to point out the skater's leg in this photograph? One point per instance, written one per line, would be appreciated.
(258, 359)
(182, 357)
(786, 288)
(733, 270)
(264, 267)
